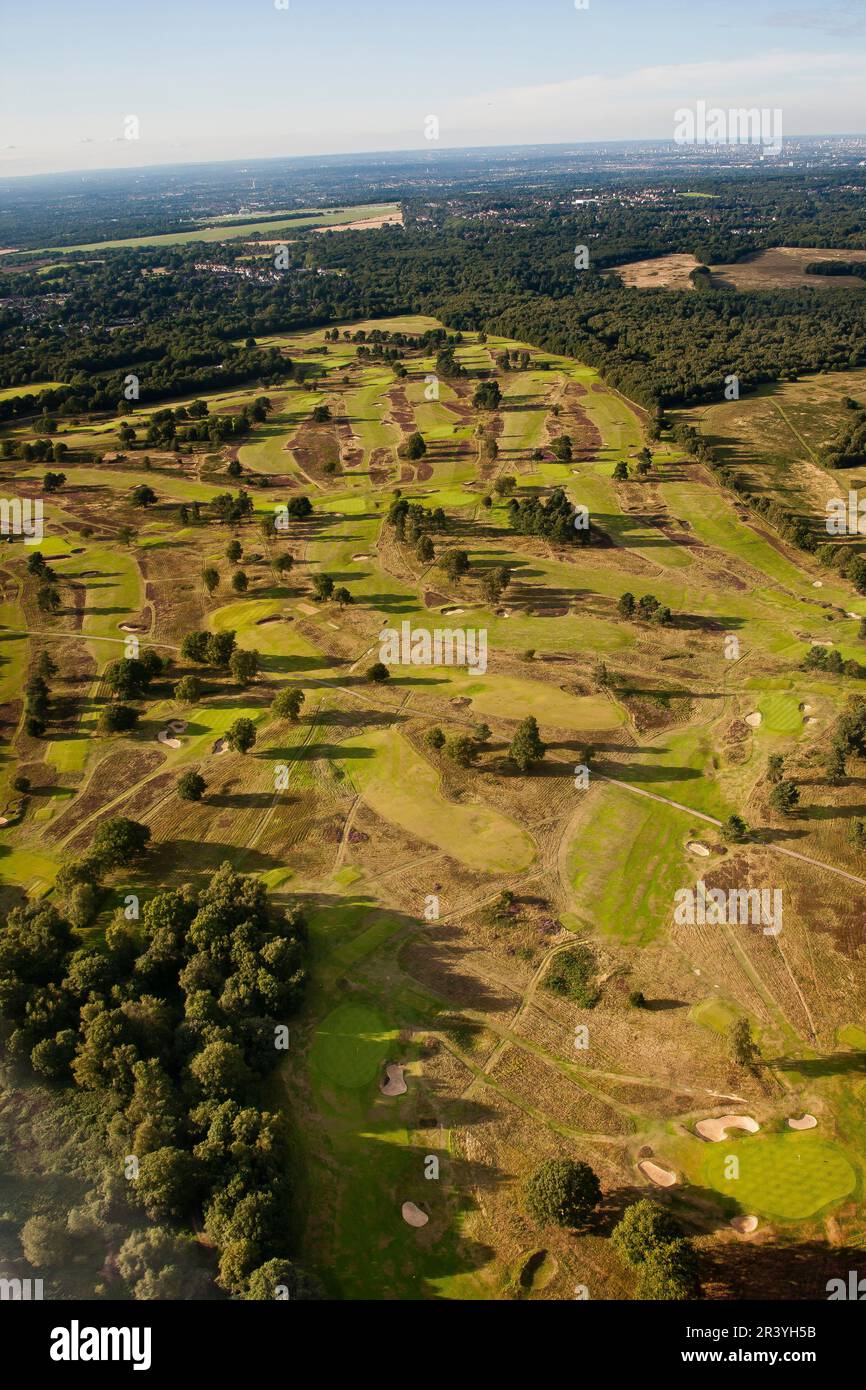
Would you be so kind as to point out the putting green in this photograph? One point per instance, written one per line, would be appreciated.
(784, 1175)
(350, 1045)
(403, 788)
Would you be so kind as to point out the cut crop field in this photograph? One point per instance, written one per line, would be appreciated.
(473, 900)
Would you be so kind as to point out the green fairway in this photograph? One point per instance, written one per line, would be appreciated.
(790, 1176)
(350, 1045)
(402, 787)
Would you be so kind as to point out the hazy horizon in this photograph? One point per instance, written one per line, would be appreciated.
(217, 81)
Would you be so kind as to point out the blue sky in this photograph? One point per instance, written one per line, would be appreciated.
(227, 79)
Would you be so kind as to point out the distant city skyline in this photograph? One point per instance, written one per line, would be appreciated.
(208, 80)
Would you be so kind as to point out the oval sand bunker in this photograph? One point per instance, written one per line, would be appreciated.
(695, 847)
(662, 1177)
(393, 1083)
(716, 1130)
(754, 720)
(414, 1216)
(805, 1122)
(744, 1225)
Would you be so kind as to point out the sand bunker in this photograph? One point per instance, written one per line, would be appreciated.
(4, 820)
(817, 583)
(807, 720)
(169, 735)
(754, 720)
(806, 709)
(453, 610)
(132, 627)
(804, 1122)
(414, 1216)
(362, 557)
(220, 745)
(745, 1225)
(662, 1177)
(393, 1083)
(715, 1130)
(695, 847)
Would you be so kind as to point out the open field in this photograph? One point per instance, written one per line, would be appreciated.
(224, 229)
(781, 267)
(443, 894)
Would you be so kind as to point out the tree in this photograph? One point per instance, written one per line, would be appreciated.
(488, 395)
(244, 665)
(287, 704)
(167, 1184)
(218, 647)
(323, 586)
(321, 414)
(741, 1043)
(378, 673)
(526, 747)
(735, 830)
(284, 562)
(210, 579)
(118, 842)
(241, 735)
(785, 797)
(44, 1243)
(234, 551)
(561, 1192)
(191, 786)
(669, 1273)
(435, 738)
(118, 719)
(455, 563)
(414, 448)
(424, 549)
(282, 1279)
(644, 1228)
(835, 766)
(53, 482)
(620, 473)
(220, 1070)
(562, 448)
(626, 605)
(240, 582)
(775, 768)
(342, 596)
(143, 496)
(462, 749)
(188, 690)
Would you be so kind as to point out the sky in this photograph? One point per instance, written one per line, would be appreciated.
(235, 79)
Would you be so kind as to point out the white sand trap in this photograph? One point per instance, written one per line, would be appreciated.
(745, 1225)
(804, 1122)
(452, 610)
(817, 583)
(662, 1177)
(717, 1130)
(176, 726)
(854, 615)
(805, 709)
(221, 745)
(393, 1083)
(807, 720)
(695, 847)
(4, 820)
(165, 737)
(132, 627)
(362, 557)
(414, 1216)
(754, 720)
